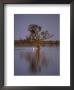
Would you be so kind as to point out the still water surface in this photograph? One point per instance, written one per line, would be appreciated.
(27, 63)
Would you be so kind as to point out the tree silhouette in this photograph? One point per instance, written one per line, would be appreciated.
(36, 33)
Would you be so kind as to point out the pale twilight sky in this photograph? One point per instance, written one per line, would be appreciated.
(50, 22)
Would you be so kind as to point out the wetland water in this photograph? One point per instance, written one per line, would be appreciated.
(27, 61)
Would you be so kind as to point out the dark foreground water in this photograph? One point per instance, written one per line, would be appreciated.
(28, 61)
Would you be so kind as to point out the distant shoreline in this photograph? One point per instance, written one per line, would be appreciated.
(36, 43)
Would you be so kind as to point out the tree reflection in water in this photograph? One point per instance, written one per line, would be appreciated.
(34, 58)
